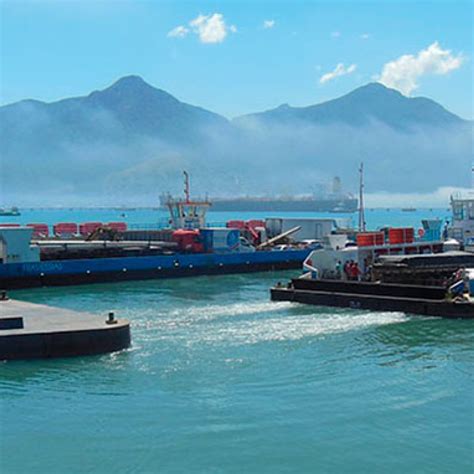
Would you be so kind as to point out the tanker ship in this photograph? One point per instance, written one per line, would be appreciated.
(335, 201)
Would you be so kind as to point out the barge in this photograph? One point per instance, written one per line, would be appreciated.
(26, 261)
(375, 296)
(405, 275)
(391, 270)
(94, 252)
(98, 270)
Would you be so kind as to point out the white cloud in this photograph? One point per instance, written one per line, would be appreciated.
(211, 28)
(335, 34)
(365, 36)
(403, 73)
(178, 32)
(267, 24)
(340, 70)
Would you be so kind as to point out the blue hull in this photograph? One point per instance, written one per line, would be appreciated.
(83, 271)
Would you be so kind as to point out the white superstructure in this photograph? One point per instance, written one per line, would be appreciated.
(462, 222)
(15, 245)
(462, 226)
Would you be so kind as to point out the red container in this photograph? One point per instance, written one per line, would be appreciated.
(39, 230)
(118, 226)
(401, 235)
(88, 227)
(255, 223)
(188, 240)
(65, 228)
(9, 225)
(369, 239)
(235, 224)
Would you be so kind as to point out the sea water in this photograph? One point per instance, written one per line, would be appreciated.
(221, 379)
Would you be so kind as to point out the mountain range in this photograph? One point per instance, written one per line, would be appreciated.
(130, 142)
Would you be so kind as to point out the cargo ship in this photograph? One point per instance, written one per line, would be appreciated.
(335, 202)
(95, 252)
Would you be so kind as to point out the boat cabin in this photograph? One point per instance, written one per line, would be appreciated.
(462, 226)
(329, 261)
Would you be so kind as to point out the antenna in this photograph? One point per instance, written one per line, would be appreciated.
(186, 185)
(361, 199)
(472, 176)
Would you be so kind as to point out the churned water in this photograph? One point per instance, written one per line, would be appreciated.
(221, 380)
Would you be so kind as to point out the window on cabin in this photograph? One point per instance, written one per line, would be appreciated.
(458, 211)
(470, 210)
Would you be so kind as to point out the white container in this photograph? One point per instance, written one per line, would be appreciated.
(220, 239)
(310, 228)
(16, 245)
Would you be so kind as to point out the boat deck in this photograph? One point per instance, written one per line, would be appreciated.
(425, 301)
(30, 330)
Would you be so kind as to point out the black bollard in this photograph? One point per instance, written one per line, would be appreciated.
(111, 318)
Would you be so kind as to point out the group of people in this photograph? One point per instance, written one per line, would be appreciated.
(352, 271)
(349, 271)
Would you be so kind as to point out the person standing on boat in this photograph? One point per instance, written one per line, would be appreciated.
(345, 275)
(338, 270)
(446, 230)
(355, 271)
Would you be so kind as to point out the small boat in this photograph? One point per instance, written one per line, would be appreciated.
(12, 212)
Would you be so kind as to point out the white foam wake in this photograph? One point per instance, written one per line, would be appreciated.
(297, 327)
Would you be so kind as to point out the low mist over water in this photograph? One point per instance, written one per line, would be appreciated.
(130, 142)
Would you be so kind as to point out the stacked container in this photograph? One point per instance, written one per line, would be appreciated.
(369, 239)
(65, 229)
(118, 226)
(235, 224)
(39, 230)
(401, 235)
(88, 227)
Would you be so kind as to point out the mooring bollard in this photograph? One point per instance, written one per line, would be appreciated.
(3, 295)
(111, 318)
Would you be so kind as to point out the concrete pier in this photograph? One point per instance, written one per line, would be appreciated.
(31, 331)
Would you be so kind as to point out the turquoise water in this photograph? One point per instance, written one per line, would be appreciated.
(220, 379)
(374, 217)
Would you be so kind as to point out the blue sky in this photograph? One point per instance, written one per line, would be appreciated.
(231, 63)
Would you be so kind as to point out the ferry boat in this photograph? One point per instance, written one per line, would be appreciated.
(412, 277)
(389, 270)
(93, 252)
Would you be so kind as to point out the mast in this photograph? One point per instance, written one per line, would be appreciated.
(186, 186)
(361, 199)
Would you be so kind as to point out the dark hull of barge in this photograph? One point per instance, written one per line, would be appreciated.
(102, 270)
(412, 299)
